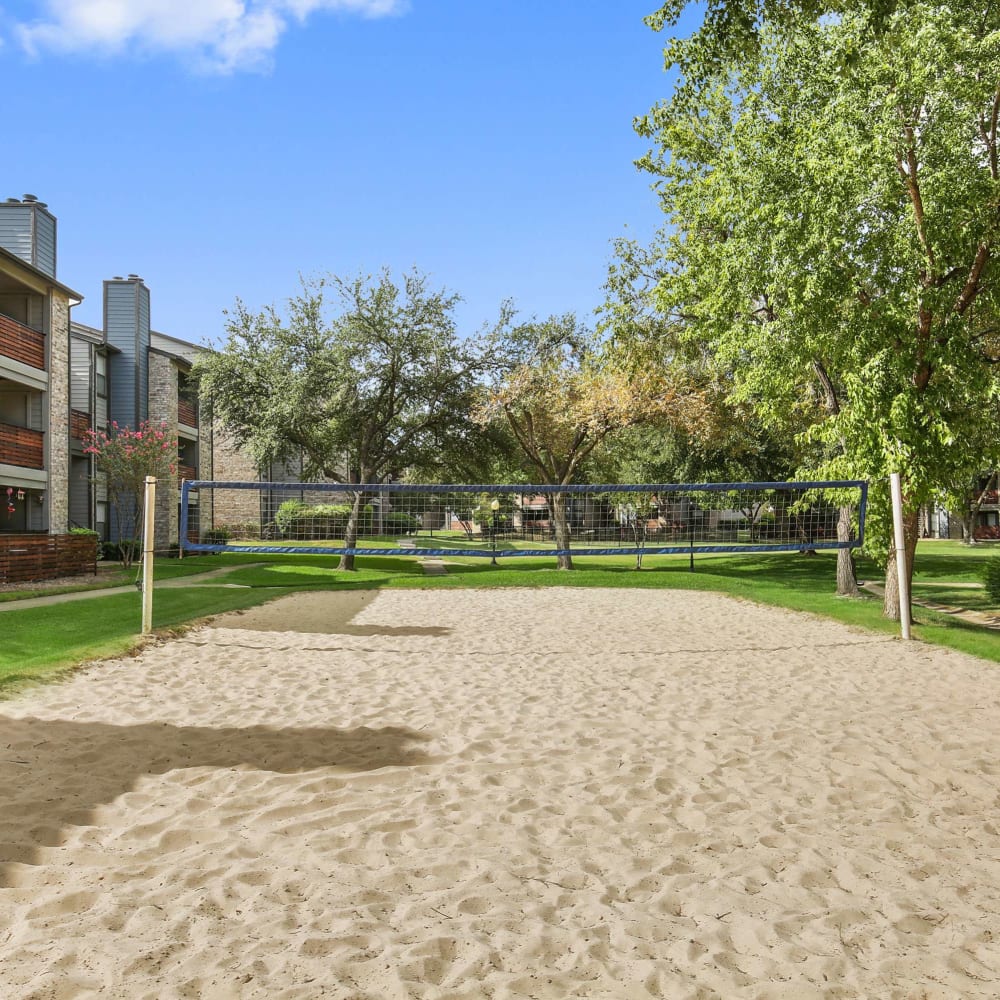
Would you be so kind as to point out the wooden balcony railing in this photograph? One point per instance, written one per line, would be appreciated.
(186, 472)
(21, 446)
(187, 413)
(79, 424)
(21, 343)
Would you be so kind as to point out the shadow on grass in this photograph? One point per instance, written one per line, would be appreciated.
(55, 773)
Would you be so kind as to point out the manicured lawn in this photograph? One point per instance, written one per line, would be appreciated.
(41, 641)
(952, 561)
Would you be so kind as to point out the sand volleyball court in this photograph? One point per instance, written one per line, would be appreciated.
(509, 793)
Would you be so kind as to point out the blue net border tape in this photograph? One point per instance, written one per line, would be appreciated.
(659, 550)
(194, 484)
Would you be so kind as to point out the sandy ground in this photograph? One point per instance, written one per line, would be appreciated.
(556, 793)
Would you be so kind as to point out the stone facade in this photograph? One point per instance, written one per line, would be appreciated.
(57, 496)
(162, 408)
(233, 507)
(206, 463)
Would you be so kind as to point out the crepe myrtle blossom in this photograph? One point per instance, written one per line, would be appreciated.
(124, 458)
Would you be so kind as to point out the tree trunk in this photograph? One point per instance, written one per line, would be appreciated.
(351, 532)
(890, 605)
(560, 519)
(847, 579)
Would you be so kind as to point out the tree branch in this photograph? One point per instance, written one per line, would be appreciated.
(971, 288)
(909, 176)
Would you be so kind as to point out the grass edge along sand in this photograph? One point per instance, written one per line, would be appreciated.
(43, 642)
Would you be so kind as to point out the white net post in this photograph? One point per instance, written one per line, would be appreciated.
(899, 535)
(149, 502)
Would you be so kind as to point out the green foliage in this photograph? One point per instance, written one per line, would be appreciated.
(368, 384)
(124, 551)
(288, 512)
(297, 519)
(240, 530)
(397, 522)
(830, 188)
(125, 457)
(376, 385)
(82, 531)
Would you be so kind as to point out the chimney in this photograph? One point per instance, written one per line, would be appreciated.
(126, 326)
(28, 230)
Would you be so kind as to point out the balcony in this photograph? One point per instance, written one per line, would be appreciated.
(22, 446)
(186, 472)
(79, 424)
(187, 413)
(21, 343)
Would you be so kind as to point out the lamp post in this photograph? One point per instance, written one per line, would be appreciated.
(495, 507)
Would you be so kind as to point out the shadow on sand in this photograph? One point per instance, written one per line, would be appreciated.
(55, 773)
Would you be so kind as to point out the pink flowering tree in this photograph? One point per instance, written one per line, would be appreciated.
(126, 457)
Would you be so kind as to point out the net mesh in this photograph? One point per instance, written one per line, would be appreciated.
(511, 520)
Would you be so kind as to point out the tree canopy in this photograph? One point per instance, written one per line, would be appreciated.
(831, 195)
(563, 391)
(361, 388)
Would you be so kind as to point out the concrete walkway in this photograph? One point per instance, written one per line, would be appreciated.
(984, 619)
(432, 567)
(85, 595)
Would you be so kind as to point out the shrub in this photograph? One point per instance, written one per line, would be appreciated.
(398, 522)
(126, 457)
(287, 514)
(991, 577)
(732, 527)
(124, 551)
(216, 536)
(299, 520)
(82, 531)
(241, 530)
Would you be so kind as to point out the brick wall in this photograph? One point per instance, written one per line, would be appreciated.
(230, 464)
(206, 463)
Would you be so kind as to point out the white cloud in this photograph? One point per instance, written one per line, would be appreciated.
(221, 35)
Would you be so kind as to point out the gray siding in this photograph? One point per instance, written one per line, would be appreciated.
(79, 493)
(126, 323)
(36, 312)
(35, 411)
(15, 230)
(45, 242)
(28, 230)
(182, 349)
(80, 377)
(36, 514)
(143, 344)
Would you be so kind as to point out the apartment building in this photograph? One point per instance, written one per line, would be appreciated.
(36, 424)
(59, 378)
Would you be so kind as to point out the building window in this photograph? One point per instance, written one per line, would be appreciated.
(101, 375)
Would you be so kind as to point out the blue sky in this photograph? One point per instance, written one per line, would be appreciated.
(220, 148)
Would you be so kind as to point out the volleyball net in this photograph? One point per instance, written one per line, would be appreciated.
(505, 520)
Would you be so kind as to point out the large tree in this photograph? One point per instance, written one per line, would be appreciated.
(833, 203)
(562, 391)
(361, 391)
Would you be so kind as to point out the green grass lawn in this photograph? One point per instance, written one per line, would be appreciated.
(41, 641)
